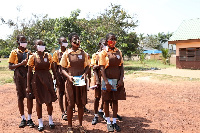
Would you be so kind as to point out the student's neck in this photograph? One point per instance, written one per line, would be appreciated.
(63, 49)
(40, 53)
(112, 48)
(22, 49)
(74, 48)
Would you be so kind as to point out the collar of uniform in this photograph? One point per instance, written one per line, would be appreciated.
(74, 52)
(114, 50)
(60, 51)
(22, 51)
(37, 55)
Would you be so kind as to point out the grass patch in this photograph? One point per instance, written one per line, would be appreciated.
(6, 75)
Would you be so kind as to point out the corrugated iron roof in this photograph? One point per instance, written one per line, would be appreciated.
(189, 29)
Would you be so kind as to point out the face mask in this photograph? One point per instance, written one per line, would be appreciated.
(23, 45)
(76, 41)
(40, 48)
(65, 44)
(111, 43)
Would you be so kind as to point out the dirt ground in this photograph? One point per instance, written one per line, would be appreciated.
(152, 106)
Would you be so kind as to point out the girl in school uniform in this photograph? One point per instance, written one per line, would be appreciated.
(42, 82)
(76, 62)
(111, 63)
(97, 82)
(57, 55)
(18, 62)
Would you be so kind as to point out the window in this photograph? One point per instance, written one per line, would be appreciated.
(189, 54)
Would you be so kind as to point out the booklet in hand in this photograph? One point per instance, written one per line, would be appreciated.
(112, 82)
(78, 81)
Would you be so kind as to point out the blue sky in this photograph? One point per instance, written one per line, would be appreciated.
(153, 15)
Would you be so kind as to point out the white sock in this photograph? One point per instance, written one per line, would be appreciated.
(100, 110)
(40, 122)
(29, 116)
(23, 117)
(114, 120)
(50, 120)
(96, 115)
(108, 120)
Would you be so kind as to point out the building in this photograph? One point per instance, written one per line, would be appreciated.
(187, 41)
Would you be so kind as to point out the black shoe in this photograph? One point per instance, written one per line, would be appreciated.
(22, 124)
(52, 126)
(64, 117)
(101, 114)
(40, 129)
(110, 128)
(86, 110)
(119, 117)
(95, 121)
(30, 123)
(116, 127)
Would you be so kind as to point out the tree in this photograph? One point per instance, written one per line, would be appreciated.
(166, 56)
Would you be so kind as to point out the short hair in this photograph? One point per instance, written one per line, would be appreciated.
(71, 35)
(20, 36)
(60, 39)
(110, 34)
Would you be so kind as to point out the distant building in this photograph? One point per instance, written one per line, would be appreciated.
(187, 41)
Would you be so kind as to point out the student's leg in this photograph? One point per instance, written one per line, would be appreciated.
(30, 107)
(60, 99)
(96, 105)
(80, 113)
(50, 110)
(69, 116)
(21, 110)
(106, 110)
(39, 114)
(115, 110)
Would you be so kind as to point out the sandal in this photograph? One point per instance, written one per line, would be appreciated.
(82, 130)
(69, 130)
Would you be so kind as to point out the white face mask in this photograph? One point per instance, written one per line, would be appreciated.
(65, 44)
(40, 48)
(23, 45)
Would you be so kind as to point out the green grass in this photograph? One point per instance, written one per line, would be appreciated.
(6, 75)
(131, 66)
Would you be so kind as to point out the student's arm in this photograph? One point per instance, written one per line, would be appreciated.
(65, 73)
(120, 82)
(29, 74)
(53, 68)
(14, 66)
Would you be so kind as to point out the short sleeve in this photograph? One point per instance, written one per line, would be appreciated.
(31, 61)
(93, 60)
(63, 61)
(55, 57)
(13, 57)
(102, 58)
(50, 58)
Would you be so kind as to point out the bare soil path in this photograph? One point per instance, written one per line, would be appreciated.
(152, 106)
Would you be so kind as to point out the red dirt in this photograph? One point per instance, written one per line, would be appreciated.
(152, 106)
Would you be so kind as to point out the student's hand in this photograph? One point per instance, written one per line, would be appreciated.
(120, 83)
(83, 76)
(108, 87)
(24, 62)
(71, 78)
(57, 82)
(28, 90)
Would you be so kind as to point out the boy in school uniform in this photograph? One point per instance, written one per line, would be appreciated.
(18, 62)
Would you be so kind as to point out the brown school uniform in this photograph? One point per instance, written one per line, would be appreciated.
(95, 61)
(112, 59)
(42, 82)
(75, 62)
(57, 55)
(20, 73)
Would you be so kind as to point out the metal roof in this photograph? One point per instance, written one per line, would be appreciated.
(189, 29)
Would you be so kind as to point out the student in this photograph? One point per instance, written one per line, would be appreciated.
(57, 55)
(76, 62)
(42, 82)
(111, 64)
(97, 82)
(18, 62)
